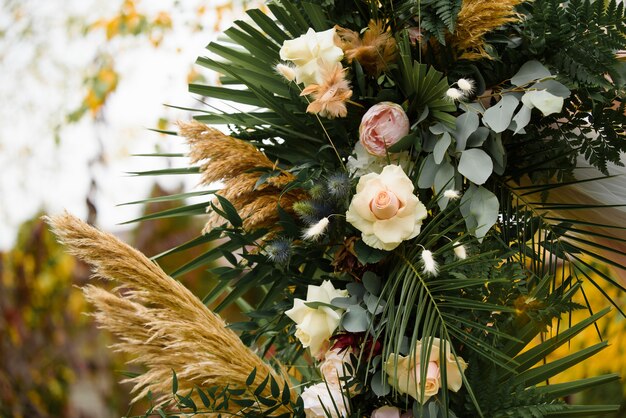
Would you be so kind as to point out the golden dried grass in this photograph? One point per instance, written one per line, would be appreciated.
(159, 322)
(239, 165)
(476, 19)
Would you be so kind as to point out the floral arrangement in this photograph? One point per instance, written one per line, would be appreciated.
(398, 215)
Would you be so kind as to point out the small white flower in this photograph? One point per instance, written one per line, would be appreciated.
(286, 71)
(454, 94)
(459, 251)
(430, 265)
(466, 85)
(316, 230)
(451, 194)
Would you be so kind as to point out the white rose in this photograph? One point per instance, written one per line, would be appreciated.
(322, 394)
(314, 327)
(404, 372)
(310, 53)
(385, 209)
(332, 368)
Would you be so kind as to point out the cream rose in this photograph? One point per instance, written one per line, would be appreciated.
(314, 327)
(383, 125)
(324, 394)
(311, 53)
(385, 209)
(404, 373)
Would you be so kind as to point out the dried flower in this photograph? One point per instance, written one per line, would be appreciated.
(466, 85)
(451, 194)
(316, 230)
(454, 94)
(279, 250)
(459, 251)
(430, 264)
(331, 95)
(338, 185)
(375, 51)
(286, 71)
(476, 19)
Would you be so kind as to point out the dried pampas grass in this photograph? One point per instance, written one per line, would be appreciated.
(239, 165)
(159, 322)
(476, 19)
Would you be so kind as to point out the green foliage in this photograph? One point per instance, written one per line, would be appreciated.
(579, 37)
(438, 17)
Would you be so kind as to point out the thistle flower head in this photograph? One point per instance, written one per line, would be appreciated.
(338, 185)
(316, 230)
(430, 265)
(454, 94)
(279, 250)
(466, 85)
(451, 194)
(460, 251)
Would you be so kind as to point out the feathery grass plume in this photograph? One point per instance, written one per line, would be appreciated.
(375, 51)
(159, 322)
(239, 165)
(476, 19)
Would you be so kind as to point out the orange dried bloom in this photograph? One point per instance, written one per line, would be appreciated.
(330, 96)
(375, 51)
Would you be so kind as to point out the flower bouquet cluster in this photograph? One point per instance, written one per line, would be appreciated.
(398, 213)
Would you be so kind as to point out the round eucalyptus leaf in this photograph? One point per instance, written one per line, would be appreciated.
(355, 319)
(498, 117)
(441, 147)
(475, 165)
(427, 174)
(466, 125)
(531, 71)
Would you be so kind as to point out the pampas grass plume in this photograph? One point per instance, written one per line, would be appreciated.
(160, 323)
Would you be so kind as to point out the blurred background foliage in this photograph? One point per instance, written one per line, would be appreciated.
(54, 362)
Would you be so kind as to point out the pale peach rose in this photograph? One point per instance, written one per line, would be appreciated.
(385, 209)
(386, 412)
(383, 125)
(404, 372)
(333, 367)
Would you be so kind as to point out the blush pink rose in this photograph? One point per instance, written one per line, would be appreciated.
(383, 125)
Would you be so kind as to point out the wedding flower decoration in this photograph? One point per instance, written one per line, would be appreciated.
(435, 163)
(385, 209)
(404, 372)
(311, 54)
(383, 125)
(315, 326)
